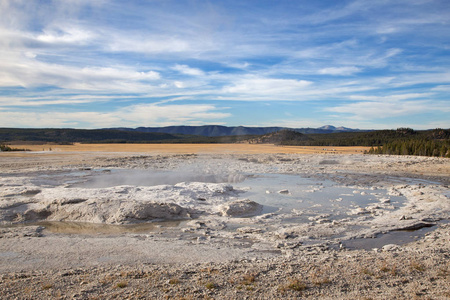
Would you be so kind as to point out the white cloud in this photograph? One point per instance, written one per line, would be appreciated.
(387, 29)
(274, 88)
(437, 77)
(66, 35)
(184, 69)
(132, 116)
(371, 110)
(243, 65)
(339, 11)
(441, 88)
(340, 71)
(393, 52)
(107, 49)
(17, 70)
(149, 45)
(161, 115)
(31, 99)
(349, 56)
(120, 73)
(12, 101)
(56, 119)
(395, 97)
(179, 84)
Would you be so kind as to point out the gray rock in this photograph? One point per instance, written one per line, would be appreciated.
(390, 247)
(240, 208)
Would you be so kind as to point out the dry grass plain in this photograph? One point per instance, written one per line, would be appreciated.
(189, 148)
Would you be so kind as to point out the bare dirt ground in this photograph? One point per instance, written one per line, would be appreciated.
(62, 240)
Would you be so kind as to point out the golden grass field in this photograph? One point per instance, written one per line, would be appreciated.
(188, 148)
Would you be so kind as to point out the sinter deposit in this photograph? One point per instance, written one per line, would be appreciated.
(101, 210)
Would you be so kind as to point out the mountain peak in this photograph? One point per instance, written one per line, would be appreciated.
(328, 127)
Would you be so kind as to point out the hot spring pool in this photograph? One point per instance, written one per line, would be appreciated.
(304, 198)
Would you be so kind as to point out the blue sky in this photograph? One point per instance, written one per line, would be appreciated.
(103, 63)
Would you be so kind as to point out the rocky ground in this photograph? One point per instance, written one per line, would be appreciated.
(417, 271)
(225, 247)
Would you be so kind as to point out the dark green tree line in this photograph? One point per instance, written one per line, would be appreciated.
(422, 147)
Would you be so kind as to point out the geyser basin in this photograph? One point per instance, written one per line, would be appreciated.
(295, 199)
(302, 198)
(299, 205)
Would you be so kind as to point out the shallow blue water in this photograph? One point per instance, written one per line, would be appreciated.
(308, 197)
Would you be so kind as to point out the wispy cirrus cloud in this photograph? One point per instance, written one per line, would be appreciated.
(371, 110)
(267, 88)
(345, 57)
(340, 70)
(27, 71)
(133, 116)
(67, 35)
(58, 119)
(184, 69)
(392, 97)
(152, 115)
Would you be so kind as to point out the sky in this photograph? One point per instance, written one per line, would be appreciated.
(367, 64)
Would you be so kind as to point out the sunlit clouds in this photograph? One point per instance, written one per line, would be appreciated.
(96, 64)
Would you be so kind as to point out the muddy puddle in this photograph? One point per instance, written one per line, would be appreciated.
(84, 228)
(94, 229)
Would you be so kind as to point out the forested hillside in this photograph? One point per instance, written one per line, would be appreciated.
(282, 137)
(403, 141)
(64, 136)
(430, 143)
(414, 147)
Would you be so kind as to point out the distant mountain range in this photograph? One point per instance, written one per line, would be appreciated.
(405, 141)
(217, 130)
